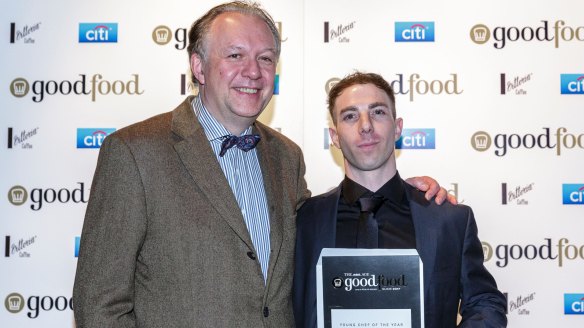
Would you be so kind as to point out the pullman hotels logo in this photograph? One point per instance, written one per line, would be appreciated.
(94, 86)
(21, 139)
(338, 32)
(515, 194)
(557, 31)
(560, 140)
(18, 33)
(515, 84)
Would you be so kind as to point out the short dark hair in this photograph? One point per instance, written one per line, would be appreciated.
(359, 78)
(199, 31)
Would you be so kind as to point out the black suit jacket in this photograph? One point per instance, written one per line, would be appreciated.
(446, 239)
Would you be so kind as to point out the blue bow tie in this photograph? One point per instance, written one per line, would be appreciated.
(245, 143)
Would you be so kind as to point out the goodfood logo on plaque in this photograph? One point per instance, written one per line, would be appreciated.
(368, 281)
(504, 143)
(515, 84)
(414, 31)
(93, 86)
(98, 32)
(546, 31)
(23, 33)
(21, 138)
(338, 32)
(572, 84)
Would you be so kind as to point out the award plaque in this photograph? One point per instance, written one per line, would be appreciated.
(369, 288)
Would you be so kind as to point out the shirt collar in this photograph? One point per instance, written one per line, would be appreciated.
(213, 129)
(393, 190)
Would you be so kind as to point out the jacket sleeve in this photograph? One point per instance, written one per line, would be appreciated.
(113, 232)
(482, 304)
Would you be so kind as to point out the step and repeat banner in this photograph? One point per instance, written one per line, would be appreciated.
(491, 93)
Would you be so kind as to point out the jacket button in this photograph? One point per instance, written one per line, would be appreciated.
(251, 255)
(266, 312)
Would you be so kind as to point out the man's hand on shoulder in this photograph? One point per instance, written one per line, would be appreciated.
(432, 188)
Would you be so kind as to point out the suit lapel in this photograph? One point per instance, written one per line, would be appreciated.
(425, 225)
(326, 230)
(198, 158)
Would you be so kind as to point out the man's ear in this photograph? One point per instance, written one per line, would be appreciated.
(398, 128)
(334, 137)
(197, 68)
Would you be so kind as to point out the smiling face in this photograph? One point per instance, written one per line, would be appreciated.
(237, 77)
(365, 131)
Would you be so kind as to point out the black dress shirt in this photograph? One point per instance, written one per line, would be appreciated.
(394, 219)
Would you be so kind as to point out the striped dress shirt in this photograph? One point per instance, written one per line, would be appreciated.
(244, 175)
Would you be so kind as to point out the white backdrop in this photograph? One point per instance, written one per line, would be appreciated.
(483, 117)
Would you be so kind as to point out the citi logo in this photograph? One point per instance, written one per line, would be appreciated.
(573, 194)
(573, 303)
(92, 137)
(277, 84)
(77, 242)
(98, 32)
(545, 32)
(572, 84)
(414, 31)
(337, 33)
(417, 139)
(23, 33)
(514, 84)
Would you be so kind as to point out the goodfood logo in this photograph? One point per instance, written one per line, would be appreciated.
(23, 33)
(163, 35)
(18, 195)
(545, 31)
(573, 194)
(15, 303)
(515, 194)
(414, 31)
(416, 85)
(21, 139)
(481, 141)
(92, 137)
(367, 281)
(572, 84)
(417, 139)
(18, 248)
(98, 32)
(573, 303)
(547, 251)
(97, 85)
(337, 33)
(514, 84)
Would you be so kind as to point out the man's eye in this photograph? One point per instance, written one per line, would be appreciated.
(349, 117)
(378, 112)
(234, 56)
(267, 60)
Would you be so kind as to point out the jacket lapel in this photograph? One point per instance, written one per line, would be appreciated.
(198, 158)
(426, 232)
